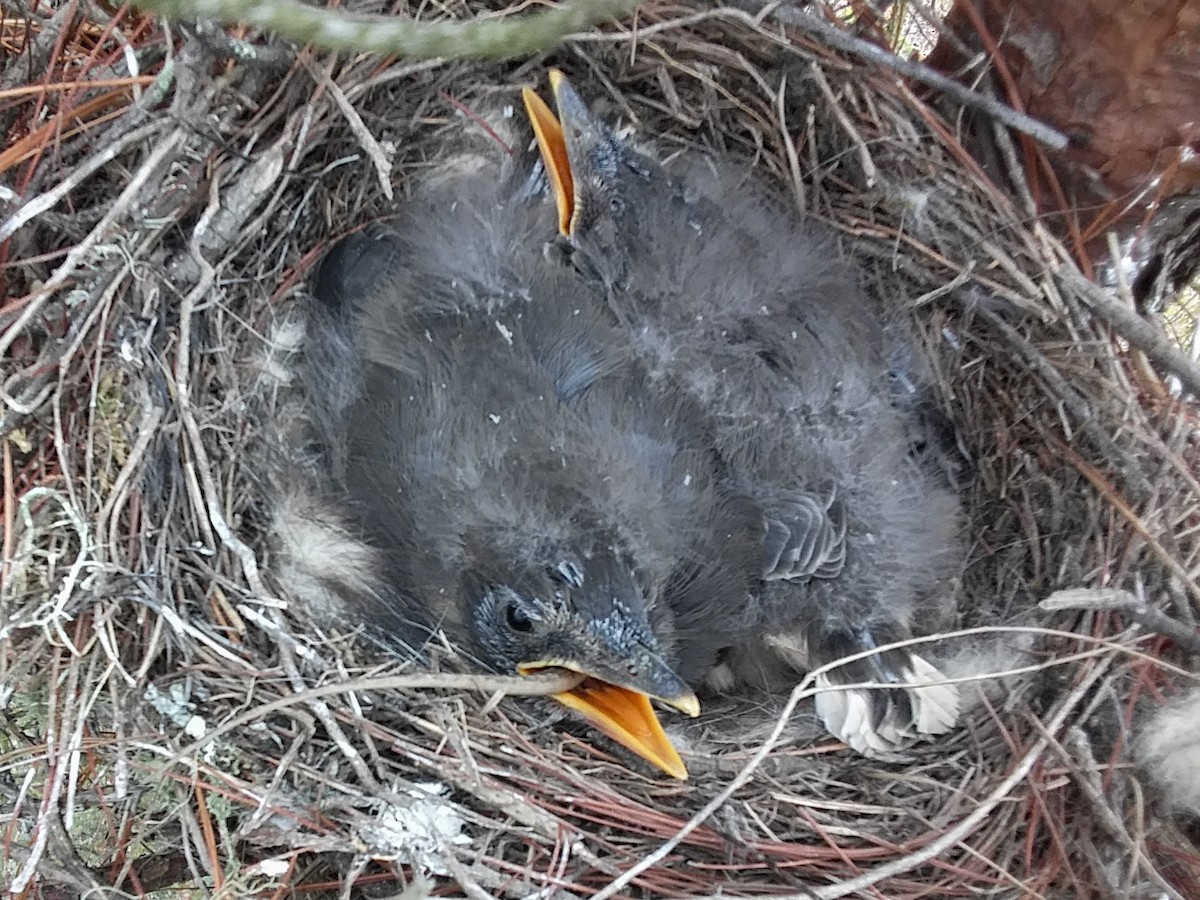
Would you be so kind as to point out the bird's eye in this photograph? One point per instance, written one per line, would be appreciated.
(616, 205)
(517, 619)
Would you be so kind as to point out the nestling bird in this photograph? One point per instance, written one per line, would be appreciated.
(730, 298)
(646, 456)
(530, 491)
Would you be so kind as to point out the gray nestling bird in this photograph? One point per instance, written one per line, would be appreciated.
(727, 296)
(664, 455)
(527, 488)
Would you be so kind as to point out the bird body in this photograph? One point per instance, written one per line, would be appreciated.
(529, 490)
(744, 308)
(757, 319)
(665, 453)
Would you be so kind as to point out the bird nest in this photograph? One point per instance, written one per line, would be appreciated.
(170, 718)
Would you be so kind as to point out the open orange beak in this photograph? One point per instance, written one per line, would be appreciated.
(625, 716)
(553, 146)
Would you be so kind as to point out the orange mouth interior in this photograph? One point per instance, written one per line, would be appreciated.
(624, 715)
(627, 717)
(553, 147)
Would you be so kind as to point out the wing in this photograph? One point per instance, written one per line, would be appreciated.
(805, 537)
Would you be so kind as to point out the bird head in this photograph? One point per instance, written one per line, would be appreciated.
(584, 613)
(610, 198)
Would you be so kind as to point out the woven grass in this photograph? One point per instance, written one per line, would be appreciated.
(170, 719)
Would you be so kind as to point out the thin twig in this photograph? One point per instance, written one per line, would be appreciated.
(383, 166)
(79, 173)
(870, 170)
(529, 685)
(967, 826)
(1135, 329)
(1115, 600)
(212, 505)
(842, 40)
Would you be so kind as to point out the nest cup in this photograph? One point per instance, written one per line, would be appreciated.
(172, 715)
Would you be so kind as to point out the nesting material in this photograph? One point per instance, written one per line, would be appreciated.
(148, 390)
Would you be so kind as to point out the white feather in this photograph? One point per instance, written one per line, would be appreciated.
(1168, 749)
(276, 359)
(320, 562)
(847, 712)
(721, 679)
(935, 706)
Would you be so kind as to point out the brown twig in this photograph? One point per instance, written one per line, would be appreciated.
(882, 58)
(1115, 600)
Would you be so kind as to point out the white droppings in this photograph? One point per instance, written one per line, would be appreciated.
(420, 833)
(276, 867)
(174, 705)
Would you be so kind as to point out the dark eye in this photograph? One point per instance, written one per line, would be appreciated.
(616, 205)
(517, 619)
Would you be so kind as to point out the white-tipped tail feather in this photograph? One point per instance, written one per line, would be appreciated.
(849, 712)
(935, 703)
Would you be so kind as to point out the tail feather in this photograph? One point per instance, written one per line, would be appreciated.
(935, 703)
(912, 702)
(919, 707)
